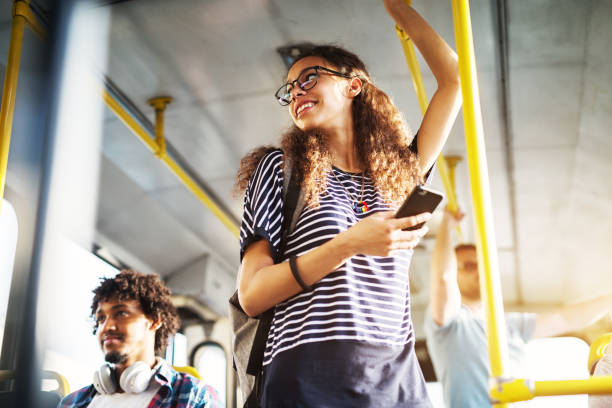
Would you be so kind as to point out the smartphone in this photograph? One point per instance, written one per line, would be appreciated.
(421, 199)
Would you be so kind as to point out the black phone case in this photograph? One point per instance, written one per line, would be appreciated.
(421, 199)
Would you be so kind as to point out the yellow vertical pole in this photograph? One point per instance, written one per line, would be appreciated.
(481, 195)
(8, 95)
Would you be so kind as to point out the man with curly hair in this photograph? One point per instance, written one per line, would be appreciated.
(133, 317)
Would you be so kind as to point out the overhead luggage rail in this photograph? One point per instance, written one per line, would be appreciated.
(157, 145)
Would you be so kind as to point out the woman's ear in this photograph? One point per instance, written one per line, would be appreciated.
(355, 86)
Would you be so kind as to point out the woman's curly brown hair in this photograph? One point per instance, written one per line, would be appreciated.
(151, 293)
(382, 139)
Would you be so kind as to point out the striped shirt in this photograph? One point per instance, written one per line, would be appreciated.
(365, 302)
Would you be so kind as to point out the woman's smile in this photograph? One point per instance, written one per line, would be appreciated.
(304, 107)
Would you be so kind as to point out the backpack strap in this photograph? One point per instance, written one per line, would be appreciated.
(293, 203)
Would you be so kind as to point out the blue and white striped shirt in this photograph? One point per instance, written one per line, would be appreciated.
(361, 308)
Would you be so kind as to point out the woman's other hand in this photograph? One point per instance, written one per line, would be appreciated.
(381, 233)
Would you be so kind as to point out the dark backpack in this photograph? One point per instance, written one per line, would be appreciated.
(249, 334)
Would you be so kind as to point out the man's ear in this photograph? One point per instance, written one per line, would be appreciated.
(154, 324)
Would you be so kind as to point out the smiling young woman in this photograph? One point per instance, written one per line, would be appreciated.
(342, 333)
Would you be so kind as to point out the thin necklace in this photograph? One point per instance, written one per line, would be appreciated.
(359, 206)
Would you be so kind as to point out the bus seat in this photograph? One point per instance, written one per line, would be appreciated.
(62, 384)
(188, 370)
(598, 349)
(63, 388)
(8, 399)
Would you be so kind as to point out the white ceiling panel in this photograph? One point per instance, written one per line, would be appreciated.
(545, 106)
(547, 33)
(185, 208)
(251, 122)
(146, 230)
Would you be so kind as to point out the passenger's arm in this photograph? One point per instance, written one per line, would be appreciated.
(572, 317)
(444, 296)
(442, 61)
(263, 284)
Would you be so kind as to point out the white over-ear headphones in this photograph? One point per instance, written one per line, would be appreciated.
(134, 379)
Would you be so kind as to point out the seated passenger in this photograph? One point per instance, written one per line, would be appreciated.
(455, 322)
(133, 318)
(602, 367)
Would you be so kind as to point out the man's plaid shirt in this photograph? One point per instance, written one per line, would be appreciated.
(178, 390)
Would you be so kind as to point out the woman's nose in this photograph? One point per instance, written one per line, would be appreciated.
(297, 91)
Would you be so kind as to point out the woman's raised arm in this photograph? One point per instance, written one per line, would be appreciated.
(442, 61)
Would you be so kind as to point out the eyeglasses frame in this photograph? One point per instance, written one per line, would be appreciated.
(292, 83)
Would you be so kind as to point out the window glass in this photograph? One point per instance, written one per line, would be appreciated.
(176, 352)
(560, 358)
(211, 363)
(72, 349)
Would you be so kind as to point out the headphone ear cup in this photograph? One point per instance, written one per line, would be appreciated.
(135, 379)
(104, 379)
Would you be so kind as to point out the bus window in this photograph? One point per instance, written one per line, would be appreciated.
(8, 244)
(176, 352)
(209, 359)
(557, 358)
(71, 349)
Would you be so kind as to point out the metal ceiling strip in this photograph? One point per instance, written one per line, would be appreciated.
(507, 134)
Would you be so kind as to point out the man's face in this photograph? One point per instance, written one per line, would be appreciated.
(126, 335)
(467, 273)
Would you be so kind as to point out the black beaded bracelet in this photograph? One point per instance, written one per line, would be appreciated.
(296, 274)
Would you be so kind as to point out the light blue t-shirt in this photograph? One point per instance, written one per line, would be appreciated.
(460, 355)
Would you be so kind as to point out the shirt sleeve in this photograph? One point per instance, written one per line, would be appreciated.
(263, 216)
(522, 323)
(415, 149)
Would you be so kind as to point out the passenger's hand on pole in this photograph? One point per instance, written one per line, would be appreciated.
(453, 219)
(381, 233)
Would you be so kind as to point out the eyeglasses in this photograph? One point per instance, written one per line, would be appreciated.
(307, 79)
